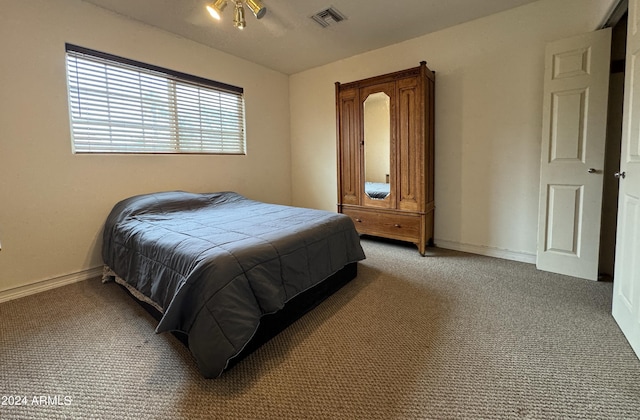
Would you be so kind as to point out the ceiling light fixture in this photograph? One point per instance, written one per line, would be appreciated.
(215, 9)
(257, 8)
(238, 16)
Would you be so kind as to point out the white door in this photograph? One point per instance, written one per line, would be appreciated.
(626, 282)
(574, 123)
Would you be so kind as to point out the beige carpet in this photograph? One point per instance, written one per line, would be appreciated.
(451, 335)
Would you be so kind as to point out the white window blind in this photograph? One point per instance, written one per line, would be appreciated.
(119, 105)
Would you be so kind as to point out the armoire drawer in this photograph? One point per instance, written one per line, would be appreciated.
(388, 225)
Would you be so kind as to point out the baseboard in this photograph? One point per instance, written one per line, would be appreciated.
(52, 283)
(487, 251)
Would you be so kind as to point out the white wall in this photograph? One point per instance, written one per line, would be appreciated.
(53, 203)
(489, 75)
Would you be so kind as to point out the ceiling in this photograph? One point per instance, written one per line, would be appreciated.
(287, 40)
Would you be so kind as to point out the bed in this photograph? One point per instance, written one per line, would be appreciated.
(216, 266)
(377, 190)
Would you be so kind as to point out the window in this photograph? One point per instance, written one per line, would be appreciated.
(119, 105)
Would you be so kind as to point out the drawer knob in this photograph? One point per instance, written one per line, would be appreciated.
(358, 220)
(397, 225)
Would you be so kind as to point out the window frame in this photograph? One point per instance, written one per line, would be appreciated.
(176, 77)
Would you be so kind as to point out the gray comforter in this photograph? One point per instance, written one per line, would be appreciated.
(216, 263)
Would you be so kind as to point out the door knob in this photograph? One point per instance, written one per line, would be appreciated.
(592, 170)
(620, 175)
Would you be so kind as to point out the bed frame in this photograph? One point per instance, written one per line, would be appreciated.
(272, 324)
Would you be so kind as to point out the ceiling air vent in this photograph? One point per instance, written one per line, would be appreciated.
(328, 17)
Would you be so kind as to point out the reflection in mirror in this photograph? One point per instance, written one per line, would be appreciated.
(377, 145)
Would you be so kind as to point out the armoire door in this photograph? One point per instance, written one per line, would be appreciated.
(410, 144)
(378, 130)
(349, 170)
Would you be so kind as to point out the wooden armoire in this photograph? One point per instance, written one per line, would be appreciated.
(385, 137)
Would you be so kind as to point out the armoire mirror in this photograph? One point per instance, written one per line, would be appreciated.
(377, 145)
